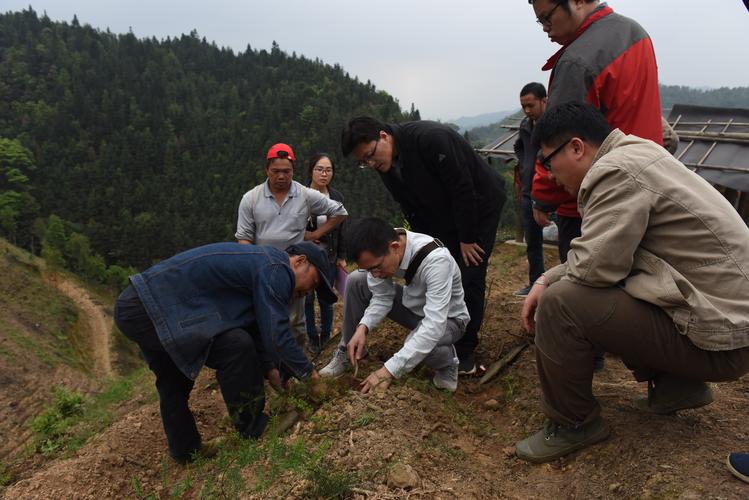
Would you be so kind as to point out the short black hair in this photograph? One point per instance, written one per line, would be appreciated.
(361, 129)
(571, 119)
(535, 88)
(370, 234)
(564, 3)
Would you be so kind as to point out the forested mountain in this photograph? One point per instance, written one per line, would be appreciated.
(724, 97)
(146, 146)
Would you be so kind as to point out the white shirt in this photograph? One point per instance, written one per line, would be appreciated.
(435, 294)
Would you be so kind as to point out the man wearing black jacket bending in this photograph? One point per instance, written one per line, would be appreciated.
(445, 190)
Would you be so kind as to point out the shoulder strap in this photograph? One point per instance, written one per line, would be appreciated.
(419, 258)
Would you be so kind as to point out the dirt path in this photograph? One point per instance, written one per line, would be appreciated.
(100, 325)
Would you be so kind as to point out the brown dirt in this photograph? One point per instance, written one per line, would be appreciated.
(460, 446)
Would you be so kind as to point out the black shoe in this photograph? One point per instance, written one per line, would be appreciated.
(523, 292)
(467, 364)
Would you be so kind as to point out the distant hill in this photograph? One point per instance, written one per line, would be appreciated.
(724, 97)
(469, 122)
(146, 146)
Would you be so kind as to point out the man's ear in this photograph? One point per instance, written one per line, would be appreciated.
(578, 146)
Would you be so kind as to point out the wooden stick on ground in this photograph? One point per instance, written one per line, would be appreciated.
(504, 361)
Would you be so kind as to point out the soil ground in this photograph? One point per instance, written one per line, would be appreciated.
(459, 446)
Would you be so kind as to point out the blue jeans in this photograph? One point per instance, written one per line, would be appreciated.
(534, 240)
(326, 312)
(238, 370)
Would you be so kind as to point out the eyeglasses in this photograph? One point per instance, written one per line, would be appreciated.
(545, 20)
(321, 170)
(367, 160)
(374, 269)
(545, 161)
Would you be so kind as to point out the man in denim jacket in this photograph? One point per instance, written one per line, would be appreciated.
(223, 305)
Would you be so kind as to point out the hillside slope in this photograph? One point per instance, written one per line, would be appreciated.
(415, 441)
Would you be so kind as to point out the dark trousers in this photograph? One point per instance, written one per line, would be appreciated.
(574, 321)
(474, 282)
(326, 311)
(534, 240)
(569, 229)
(238, 369)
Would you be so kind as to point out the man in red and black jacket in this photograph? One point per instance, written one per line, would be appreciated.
(608, 61)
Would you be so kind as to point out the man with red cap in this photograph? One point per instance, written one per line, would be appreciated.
(275, 213)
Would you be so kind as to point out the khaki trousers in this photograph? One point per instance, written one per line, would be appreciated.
(573, 321)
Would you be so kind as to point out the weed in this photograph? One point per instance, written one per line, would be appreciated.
(5, 476)
(53, 423)
(365, 419)
(511, 384)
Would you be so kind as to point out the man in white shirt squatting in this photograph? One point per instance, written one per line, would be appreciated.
(431, 304)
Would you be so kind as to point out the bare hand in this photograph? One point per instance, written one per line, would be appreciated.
(274, 379)
(379, 380)
(312, 236)
(341, 263)
(541, 218)
(472, 253)
(530, 305)
(357, 344)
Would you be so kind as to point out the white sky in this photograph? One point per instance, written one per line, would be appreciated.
(451, 58)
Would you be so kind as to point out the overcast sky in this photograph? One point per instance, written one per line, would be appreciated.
(451, 58)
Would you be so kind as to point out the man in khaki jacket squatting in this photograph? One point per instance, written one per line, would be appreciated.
(660, 276)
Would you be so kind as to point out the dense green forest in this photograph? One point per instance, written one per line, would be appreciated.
(144, 147)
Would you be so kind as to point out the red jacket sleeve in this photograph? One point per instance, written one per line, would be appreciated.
(547, 196)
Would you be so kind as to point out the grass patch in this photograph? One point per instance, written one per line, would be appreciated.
(245, 466)
(71, 419)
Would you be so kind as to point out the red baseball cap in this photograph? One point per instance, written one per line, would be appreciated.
(280, 150)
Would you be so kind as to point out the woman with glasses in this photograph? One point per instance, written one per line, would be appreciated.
(321, 171)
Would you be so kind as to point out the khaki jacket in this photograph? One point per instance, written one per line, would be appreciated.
(663, 234)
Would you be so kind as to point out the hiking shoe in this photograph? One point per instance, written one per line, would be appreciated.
(669, 393)
(467, 364)
(337, 365)
(555, 440)
(738, 464)
(447, 377)
(523, 292)
(208, 449)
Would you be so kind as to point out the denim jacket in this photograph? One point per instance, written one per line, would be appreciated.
(200, 293)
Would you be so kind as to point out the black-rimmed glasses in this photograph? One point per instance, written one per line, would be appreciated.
(545, 20)
(366, 161)
(545, 161)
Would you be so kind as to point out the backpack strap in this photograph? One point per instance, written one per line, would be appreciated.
(413, 266)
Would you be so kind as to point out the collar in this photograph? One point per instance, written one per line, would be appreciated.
(600, 12)
(608, 144)
(293, 191)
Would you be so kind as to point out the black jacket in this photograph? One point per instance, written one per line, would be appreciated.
(333, 242)
(443, 186)
(526, 156)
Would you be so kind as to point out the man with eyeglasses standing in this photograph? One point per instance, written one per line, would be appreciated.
(607, 60)
(446, 190)
(275, 213)
(430, 305)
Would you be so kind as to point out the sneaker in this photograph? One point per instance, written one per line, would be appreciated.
(467, 364)
(555, 440)
(337, 366)
(447, 377)
(668, 394)
(738, 464)
(523, 292)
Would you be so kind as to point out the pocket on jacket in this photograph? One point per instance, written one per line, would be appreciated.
(187, 324)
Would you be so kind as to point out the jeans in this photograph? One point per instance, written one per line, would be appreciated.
(238, 369)
(326, 312)
(534, 240)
